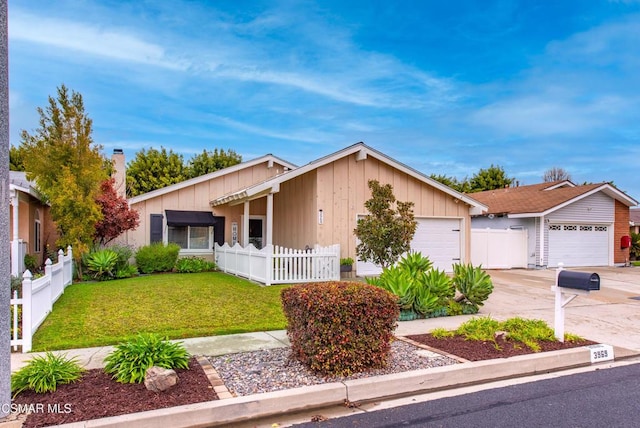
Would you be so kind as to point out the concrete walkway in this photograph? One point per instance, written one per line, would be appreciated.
(610, 316)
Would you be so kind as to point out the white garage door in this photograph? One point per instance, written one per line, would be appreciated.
(438, 239)
(578, 245)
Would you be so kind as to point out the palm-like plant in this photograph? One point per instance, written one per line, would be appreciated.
(473, 284)
(102, 263)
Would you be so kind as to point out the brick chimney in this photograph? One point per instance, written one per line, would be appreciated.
(119, 172)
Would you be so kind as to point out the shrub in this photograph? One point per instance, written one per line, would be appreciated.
(44, 374)
(129, 362)
(31, 262)
(157, 257)
(194, 265)
(16, 285)
(346, 261)
(473, 284)
(419, 287)
(125, 254)
(340, 328)
(101, 264)
(127, 272)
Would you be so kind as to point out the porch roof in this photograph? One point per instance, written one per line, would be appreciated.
(362, 151)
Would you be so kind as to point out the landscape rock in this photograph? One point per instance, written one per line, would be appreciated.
(158, 379)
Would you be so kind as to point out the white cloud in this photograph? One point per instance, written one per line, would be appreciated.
(300, 135)
(69, 35)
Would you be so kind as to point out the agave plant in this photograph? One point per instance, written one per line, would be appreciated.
(102, 263)
(426, 300)
(398, 283)
(440, 284)
(473, 283)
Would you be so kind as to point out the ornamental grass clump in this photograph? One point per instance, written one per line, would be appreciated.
(340, 328)
(44, 374)
(129, 362)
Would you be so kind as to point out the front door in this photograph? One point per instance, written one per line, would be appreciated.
(256, 232)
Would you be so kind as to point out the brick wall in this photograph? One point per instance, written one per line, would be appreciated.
(620, 229)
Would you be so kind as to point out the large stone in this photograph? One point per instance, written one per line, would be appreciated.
(158, 379)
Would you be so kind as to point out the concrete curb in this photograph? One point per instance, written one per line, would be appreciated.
(240, 409)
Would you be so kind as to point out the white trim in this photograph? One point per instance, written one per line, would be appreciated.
(270, 159)
(361, 150)
(565, 183)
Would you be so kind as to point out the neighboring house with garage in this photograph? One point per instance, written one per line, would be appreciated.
(31, 227)
(544, 224)
(253, 209)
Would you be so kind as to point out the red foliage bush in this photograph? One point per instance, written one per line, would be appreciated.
(340, 328)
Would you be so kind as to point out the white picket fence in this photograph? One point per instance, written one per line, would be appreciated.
(278, 265)
(38, 297)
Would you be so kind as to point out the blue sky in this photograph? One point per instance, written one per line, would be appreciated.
(446, 87)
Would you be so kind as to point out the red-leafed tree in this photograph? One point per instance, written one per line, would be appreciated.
(117, 217)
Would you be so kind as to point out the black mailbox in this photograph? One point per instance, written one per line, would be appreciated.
(580, 280)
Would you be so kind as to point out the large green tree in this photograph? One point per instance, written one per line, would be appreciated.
(16, 159)
(210, 161)
(386, 233)
(154, 169)
(453, 182)
(67, 166)
(491, 178)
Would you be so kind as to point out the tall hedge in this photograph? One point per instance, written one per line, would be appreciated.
(340, 328)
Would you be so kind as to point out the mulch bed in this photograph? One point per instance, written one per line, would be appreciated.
(474, 350)
(96, 395)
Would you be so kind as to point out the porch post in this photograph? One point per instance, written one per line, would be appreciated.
(15, 243)
(245, 225)
(541, 241)
(269, 219)
(15, 204)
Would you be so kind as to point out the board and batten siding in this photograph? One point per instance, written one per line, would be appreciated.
(294, 212)
(196, 197)
(342, 189)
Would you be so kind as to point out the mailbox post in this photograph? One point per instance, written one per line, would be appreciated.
(569, 285)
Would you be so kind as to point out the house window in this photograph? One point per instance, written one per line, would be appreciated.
(191, 230)
(190, 237)
(37, 233)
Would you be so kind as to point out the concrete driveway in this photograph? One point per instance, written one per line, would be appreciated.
(609, 316)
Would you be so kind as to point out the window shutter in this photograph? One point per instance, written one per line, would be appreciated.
(155, 228)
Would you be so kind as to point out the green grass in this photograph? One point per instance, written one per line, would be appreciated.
(171, 305)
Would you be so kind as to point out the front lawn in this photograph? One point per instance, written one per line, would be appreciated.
(172, 305)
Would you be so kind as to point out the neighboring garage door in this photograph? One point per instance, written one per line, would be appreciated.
(578, 245)
(436, 238)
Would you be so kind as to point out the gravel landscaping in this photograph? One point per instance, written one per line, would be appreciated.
(272, 370)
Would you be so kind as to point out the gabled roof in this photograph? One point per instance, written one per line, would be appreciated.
(18, 181)
(362, 151)
(210, 176)
(540, 199)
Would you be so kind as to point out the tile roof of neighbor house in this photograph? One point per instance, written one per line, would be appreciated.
(543, 197)
(634, 215)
